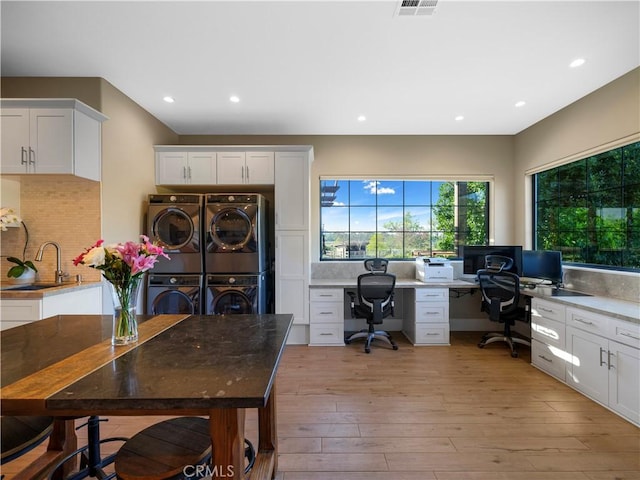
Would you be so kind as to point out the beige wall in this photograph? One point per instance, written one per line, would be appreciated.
(401, 156)
(608, 117)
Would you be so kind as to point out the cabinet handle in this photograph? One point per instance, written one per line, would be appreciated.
(184, 172)
(602, 350)
(247, 167)
(548, 310)
(242, 173)
(326, 313)
(545, 358)
(23, 156)
(609, 364)
(189, 171)
(628, 335)
(432, 313)
(326, 334)
(32, 158)
(585, 322)
(432, 334)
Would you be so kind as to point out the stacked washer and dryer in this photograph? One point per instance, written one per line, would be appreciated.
(220, 256)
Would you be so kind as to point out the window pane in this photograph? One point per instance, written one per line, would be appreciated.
(417, 193)
(334, 193)
(417, 218)
(390, 219)
(362, 219)
(444, 189)
(389, 193)
(334, 218)
(362, 192)
(589, 209)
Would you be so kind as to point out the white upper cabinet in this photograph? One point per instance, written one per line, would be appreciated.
(245, 168)
(186, 168)
(51, 136)
(292, 190)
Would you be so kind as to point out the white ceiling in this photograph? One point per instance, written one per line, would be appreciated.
(306, 67)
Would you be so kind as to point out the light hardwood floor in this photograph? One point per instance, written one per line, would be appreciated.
(427, 413)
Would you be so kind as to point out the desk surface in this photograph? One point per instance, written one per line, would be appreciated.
(621, 309)
(67, 363)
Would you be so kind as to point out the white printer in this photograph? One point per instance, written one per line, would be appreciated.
(434, 269)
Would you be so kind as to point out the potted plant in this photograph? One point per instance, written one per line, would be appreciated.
(24, 271)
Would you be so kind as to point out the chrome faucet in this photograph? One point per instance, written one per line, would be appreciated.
(59, 273)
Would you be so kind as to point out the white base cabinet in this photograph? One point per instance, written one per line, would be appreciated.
(19, 312)
(326, 316)
(548, 337)
(427, 316)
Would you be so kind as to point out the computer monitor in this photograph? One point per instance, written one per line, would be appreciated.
(473, 257)
(542, 264)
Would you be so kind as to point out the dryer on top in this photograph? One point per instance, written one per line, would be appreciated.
(174, 222)
(236, 235)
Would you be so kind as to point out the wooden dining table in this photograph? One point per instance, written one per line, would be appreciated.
(215, 366)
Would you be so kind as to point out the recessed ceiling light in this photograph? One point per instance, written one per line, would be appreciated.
(361, 118)
(168, 99)
(459, 118)
(234, 99)
(577, 62)
(521, 103)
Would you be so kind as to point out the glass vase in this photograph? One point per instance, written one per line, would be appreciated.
(125, 324)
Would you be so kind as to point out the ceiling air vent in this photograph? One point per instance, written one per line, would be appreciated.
(416, 8)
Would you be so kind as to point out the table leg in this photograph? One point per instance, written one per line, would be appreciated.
(227, 435)
(268, 429)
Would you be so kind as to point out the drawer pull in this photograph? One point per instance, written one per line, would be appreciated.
(325, 295)
(583, 321)
(548, 310)
(609, 364)
(629, 335)
(432, 313)
(326, 313)
(326, 334)
(545, 358)
(432, 334)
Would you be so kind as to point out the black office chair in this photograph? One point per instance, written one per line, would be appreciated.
(375, 302)
(500, 297)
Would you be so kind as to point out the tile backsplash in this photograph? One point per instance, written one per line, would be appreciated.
(59, 208)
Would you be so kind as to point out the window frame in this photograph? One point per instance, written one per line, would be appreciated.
(489, 205)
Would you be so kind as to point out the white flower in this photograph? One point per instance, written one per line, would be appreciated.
(8, 218)
(94, 257)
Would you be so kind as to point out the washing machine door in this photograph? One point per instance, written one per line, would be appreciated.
(176, 230)
(231, 230)
(230, 302)
(176, 301)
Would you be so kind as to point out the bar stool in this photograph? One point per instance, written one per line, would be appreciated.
(91, 461)
(22, 434)
(171, 449)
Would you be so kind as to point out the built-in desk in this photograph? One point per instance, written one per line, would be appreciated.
(426, 309)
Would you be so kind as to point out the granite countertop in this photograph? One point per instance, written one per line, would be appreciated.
(9, 292)
(620, 309)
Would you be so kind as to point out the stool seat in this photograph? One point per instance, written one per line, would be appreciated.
(21, 434)
(162, 450)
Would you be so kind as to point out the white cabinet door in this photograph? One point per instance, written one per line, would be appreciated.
(202, 168)
(624, 380)
(292, 275)
(292, 190)
(171, 168)
(259, 168)
(51, 140)
(231, 168)
(587, 363)
(19, 312)
(14, 125)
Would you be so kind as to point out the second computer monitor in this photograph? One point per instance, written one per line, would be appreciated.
(473, 257)
(543, 265)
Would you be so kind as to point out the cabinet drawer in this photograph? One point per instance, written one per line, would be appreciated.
(626, 333)
(326, 312)
(326, 295)
(326, 334)
(588, 321)
(548, 331)
(432, 294)
(542, 308)
(427, 312)
(437, 334)
(548, 358)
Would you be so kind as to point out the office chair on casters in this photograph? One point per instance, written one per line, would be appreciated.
(375, 302)
(500, 296)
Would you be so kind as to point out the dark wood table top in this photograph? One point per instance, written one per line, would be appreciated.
(67, 365)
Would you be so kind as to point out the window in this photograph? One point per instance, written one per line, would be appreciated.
(590, 209)
(401, 218)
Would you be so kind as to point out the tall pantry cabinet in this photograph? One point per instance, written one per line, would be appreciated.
(292, 239)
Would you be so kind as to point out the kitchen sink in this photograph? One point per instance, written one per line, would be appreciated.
(40, 286)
